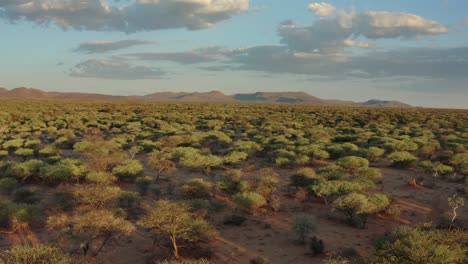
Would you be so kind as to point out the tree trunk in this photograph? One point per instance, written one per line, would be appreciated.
(158, 175)
(102, 246)
(176, 249)
(454, 214)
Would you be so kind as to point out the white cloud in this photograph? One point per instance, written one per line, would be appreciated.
(357, 44)
(114, 69)
(106, 46)
(139, 15)
(382, 24)
(322, 9)
(334, 33)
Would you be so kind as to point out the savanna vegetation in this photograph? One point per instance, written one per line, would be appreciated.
(116, 182)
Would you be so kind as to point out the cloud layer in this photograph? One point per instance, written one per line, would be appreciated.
(323, 49)
(138, 15)
(107, 46)
(114, 69)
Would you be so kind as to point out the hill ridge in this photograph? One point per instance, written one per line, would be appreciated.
(295, 97)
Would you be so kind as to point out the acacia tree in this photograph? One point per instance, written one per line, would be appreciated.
(159, 162)
(455, 202)
(92, 229)
(178, 223)
(100, 154)
(356, 204)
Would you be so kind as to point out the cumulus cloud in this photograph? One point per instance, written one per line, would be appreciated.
(322, 9)
(138, 15)
(106, 46)
(382, 24)
(114, 69)
(338, 28)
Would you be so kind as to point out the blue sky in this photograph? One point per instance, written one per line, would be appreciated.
(414, 51)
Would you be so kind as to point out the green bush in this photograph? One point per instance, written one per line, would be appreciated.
(24, 152)
(303, 225)
(36, 254)
(250, 201)
(13, 143)
(13, 215)
(129, 170)
(128, 199)
(232, 182)
(196, 189)
(352, 163)
(66, 170)
(316, 245)
(8, 185)
(303, 177)
(374, 153)
(422, 245)
(143, 184)
(402, 159)
(25, 170)
(25, 195)
(100, 177)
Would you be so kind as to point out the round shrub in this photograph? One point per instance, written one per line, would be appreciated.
(129, 170)
(196, 189)
(303, 177)
(8, 185)
(250, 201)
(143, 184)
(402, 159)
(36, 254)
(100, 177)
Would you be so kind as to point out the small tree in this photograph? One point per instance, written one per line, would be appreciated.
(133, 151)
(101, 155)
(159, 162)
(175, 221)
(356, 204)
(455, 202)
(92, 229)
(302, 226)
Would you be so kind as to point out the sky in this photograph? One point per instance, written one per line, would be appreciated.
(413, 51)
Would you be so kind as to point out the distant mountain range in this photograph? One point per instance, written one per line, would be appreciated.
(208, 97)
